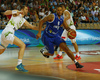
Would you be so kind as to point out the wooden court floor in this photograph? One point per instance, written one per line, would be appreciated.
(57, 69)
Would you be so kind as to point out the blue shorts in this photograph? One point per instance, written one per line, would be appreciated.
(60, 31)
(50, 42)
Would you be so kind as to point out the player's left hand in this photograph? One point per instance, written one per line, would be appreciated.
(38, 36)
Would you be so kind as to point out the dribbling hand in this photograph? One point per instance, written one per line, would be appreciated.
(38, 36)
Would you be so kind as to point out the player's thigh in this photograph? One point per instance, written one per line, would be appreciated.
(50, 48)
(48, 42)
(18, 42)
(58, 40)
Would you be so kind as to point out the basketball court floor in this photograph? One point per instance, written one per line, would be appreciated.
(41, 68)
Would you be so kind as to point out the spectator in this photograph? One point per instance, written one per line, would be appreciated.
(86, 7)
(87, 17)
(83, 18)
(4, 6)
(5, 21)
(90, 7)
(76, 9)
(79, 18)
(27, 18)
(81, 8)
(91, 18)
(94, 3)
(73, 9)
(93, 12)
(97, 11)
(47, 10)
(51, 9)
(35, 17)
(71, 13)
(99, 19)
(95, 18)
(55, 2)
(51, 2)
(31, 18)
(0, 22)
(41, 13)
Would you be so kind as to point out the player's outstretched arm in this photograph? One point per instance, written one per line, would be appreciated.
(12, 12)
(47, 18)
(31, 26)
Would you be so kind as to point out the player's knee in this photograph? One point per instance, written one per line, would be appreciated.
(63, 46)
(22, 45)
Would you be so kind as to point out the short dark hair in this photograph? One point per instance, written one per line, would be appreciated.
(22, 7)
(59, 6)
(63, 5)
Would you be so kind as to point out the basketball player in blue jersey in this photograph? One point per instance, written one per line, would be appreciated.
(50, 37)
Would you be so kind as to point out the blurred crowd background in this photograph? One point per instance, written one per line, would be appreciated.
(86, 13)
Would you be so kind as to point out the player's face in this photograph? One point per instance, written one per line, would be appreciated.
(59, 11)
(25, 10)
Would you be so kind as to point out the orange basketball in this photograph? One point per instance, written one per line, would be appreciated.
(71, 34)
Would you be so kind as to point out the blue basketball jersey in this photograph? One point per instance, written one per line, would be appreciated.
(52, 28)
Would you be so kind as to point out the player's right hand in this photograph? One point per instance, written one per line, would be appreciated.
(38, 36)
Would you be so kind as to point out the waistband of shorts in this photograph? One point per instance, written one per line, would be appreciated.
(49, 35)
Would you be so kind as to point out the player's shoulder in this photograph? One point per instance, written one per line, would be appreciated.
(66, 11)
(50, 16)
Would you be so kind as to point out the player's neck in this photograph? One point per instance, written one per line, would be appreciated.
(59, 17)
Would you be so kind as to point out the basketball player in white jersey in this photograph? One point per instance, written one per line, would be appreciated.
(8, 37)
(69, 21)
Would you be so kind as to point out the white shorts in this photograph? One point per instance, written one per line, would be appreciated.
(7, 37)
(64, 34)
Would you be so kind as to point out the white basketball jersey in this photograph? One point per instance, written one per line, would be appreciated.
(16, 22)
(69, 21)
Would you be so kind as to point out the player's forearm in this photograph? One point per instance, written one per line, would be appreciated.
(32, 27)
(66, 26)
(35, 28)
(10, 12)
(40, 26)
